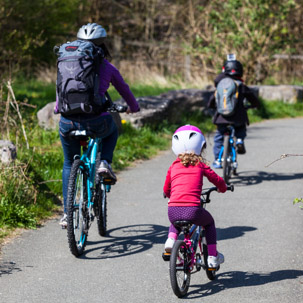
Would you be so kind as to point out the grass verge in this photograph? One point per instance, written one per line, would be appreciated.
(30, 189)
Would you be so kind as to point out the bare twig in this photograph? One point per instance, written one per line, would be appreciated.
(9, 87)
(23, 103)
(283, 157)
(49, 181)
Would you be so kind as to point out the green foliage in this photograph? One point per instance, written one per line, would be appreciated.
(30, 190)
(275, 110)
(298, 200)
(30, 29)
(34, 92)
(254, 30)
(17, 194)
(134, 144)
(140, 90)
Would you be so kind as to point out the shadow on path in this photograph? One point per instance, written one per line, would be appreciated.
(236, 279)
(126, 240)
(8, 268)
(133, 239)
(256, 177)
(233, 232)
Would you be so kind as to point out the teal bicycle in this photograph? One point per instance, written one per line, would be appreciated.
(86, 195)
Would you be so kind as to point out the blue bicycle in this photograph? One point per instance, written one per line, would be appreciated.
(86, 196)
(228, 154)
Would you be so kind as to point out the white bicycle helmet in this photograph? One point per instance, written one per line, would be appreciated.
(92, 32)
(188, 139)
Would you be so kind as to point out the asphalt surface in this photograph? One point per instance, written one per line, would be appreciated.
(259, 232)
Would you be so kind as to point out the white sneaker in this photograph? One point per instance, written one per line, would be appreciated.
(169, 244)
(214, 262)
(63, 221)
(106, 171)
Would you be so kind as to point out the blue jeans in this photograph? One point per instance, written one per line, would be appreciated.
(240, 132)
(103, 126)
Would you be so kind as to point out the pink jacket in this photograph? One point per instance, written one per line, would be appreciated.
(183, 185)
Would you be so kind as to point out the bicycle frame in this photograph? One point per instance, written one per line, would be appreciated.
(192, 240)
(88, 158)
(233, 153)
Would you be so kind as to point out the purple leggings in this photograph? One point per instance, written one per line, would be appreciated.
(198, 216)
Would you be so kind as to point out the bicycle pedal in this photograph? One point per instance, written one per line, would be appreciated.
(108, 181)
(212, 269)
(166, 256)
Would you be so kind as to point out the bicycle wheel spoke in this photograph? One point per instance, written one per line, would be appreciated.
(179, 271)
(77, 218)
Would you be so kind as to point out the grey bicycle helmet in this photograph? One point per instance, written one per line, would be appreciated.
(92, 32)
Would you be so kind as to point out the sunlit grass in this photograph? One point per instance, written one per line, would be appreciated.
(35, 194)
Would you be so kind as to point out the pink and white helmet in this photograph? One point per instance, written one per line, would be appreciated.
(188, 139)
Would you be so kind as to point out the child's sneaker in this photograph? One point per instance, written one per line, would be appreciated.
(240, 146)
(217, 164)
(63, 221)
(169, 244)
(214, 262)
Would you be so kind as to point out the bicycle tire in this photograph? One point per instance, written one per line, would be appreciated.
(100, 203)
(101, 210)
(211, 274)
(77, 217)
(179, 269)
(226, 160)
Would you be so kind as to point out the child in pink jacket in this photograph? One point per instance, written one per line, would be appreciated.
(183, 187)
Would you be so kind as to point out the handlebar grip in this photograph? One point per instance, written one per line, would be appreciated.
(121, 108)
(117, 108)
(230, 187)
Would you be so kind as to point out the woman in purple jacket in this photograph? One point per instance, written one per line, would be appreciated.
(103, 124)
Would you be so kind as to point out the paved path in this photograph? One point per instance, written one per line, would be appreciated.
(259, 232)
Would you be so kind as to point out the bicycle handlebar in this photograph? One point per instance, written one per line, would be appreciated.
(205, 194)
(117, 108)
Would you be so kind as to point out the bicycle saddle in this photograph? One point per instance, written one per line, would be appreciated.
(183, 223)
(82, 135)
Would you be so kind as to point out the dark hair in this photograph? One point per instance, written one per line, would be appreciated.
(106, 51)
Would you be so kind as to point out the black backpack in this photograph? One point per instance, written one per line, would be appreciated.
(77, 83)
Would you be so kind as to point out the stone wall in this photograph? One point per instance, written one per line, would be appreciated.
(171, 105)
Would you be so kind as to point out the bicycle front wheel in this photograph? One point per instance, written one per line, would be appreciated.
(226, 160)
(179, 268)
(77, 215)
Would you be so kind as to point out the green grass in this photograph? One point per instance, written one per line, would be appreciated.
(30, 189)
(275, 110)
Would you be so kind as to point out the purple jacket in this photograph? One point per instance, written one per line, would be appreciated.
(110, 74)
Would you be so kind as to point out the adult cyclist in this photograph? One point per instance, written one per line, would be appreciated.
(102, 124)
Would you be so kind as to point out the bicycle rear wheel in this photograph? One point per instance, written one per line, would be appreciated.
(226, 160)
(77, 215)
(179, 269)
(101, 209)
(100, 203)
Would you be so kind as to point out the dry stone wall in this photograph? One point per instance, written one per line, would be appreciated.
(171, 105)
